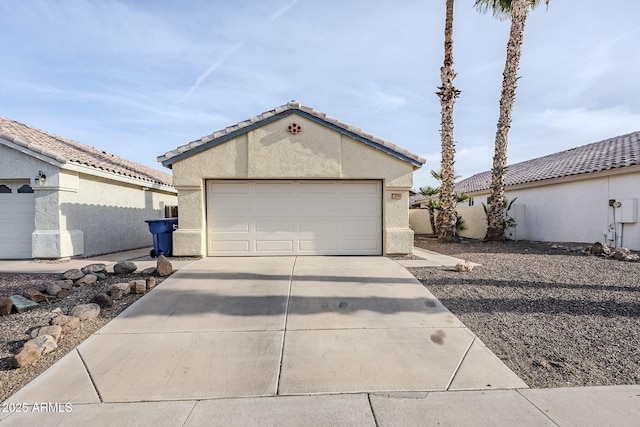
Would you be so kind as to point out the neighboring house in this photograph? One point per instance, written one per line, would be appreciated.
(292, 181)
(585, 194)
(60, 198)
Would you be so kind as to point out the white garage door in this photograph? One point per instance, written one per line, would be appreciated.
(17, 219)
(294, 218)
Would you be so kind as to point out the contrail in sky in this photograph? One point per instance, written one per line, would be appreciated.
(210, 70)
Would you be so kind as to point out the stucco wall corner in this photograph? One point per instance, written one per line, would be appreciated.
(398, 241)
(188, 242)
(51, 244)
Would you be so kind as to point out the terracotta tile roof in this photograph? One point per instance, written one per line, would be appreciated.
(613, 153)
(65, 150)
(244, 126)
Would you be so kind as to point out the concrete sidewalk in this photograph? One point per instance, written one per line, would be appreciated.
(297, 341)
(139, 256)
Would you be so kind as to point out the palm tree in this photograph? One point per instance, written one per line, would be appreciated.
(518, 11)
(447, 93)
(433, 205)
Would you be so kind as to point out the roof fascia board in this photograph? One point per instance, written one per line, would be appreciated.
(87, 170)
(224, 138)
(31, 153)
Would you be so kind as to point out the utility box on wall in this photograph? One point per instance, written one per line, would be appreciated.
(626, 211)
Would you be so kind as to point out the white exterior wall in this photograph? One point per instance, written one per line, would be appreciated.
(270, 152)
(576, 211)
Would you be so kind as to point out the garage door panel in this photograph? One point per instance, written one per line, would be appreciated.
(274, 246)
(224, 225)
(230, 207)
(318, 225)
(274, 226)
(364, 207)
(362, 227)
(295, 217)
(313, 246)
(231, 188)
(358, 244)
(361, 189)
(238, 246)
(17, 219)
(318, 207)
(270, 207)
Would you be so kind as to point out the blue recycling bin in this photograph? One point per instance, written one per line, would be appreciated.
(162, 230)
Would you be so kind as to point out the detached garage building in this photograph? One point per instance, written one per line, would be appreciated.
(60, 198)
(292, 181)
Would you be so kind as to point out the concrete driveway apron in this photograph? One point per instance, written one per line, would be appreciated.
(247, 327)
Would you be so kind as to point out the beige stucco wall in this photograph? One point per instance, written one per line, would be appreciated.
(474, 219)
(271, 152)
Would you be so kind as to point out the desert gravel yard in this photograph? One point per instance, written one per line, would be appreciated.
(557, 318)
(14, 328)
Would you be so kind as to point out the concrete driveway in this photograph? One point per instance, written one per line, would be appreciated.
(297, 341)
(245, 327)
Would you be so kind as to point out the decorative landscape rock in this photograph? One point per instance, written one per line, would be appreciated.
(621, 254)
(103, 300)
(64, 284)
(34, 295)
(94, 268)
(149, 271)
(6, 304)
(67, 323)
(85, 311)
(54, 330)
(23, 304)
(100, 276)
(138, 286)
(164, 266)
(63, 293)
(53, 289)
(464, 266)
(33, 349)
(26, 356)
(151, 282)
(599, 248)
(124, 267)
(88, 279)
(118, 290)
(73, 274)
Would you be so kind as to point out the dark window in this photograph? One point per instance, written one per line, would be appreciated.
(4, 189)
(25, 189)
(470, 201)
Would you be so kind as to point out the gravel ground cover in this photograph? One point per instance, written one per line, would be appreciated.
(557, 318)
(14, 328)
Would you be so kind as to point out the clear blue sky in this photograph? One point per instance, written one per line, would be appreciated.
(139, 78)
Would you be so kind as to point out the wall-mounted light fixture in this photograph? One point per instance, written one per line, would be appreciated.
(41, 179)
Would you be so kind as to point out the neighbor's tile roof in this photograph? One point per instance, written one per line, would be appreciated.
(238, 128)
(613, 153)
(65, 150)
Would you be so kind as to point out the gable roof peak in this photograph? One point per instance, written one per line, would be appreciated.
(237, 129)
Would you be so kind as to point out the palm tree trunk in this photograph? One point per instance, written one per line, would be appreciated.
(446, 223)
(432, 221)
(520, 8)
